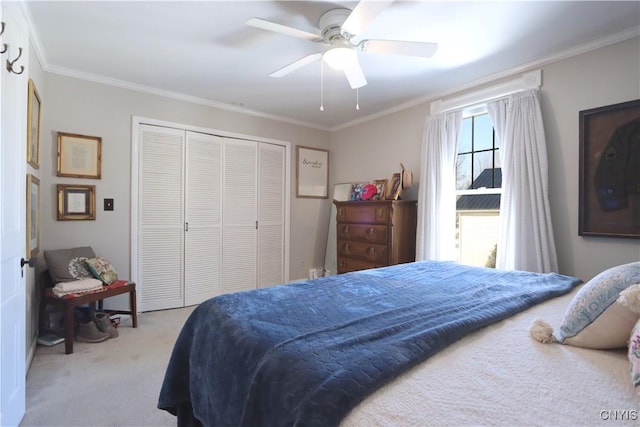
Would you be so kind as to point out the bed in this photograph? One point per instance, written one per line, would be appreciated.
(424, 343)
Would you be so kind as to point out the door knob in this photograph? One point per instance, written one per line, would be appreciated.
(31, 262)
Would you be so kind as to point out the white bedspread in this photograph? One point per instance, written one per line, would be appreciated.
(500, 376)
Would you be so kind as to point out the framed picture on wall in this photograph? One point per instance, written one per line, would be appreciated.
(312, 172)
(76, 202)
(79, 156)
(33, 126)
(609, 196)
(33, 215)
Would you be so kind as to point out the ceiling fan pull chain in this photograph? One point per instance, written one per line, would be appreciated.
(358, 99)
(321, 85)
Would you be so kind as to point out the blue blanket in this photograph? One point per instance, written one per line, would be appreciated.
(307, 353)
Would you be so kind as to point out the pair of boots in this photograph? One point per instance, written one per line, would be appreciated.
(98, 329)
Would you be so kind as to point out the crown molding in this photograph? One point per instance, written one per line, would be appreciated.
(578, 50)
(587, 47)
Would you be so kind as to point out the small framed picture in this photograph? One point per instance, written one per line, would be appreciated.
(381, 187)
(76, 202)
(33, 126)
(33, 215)
(79, 156)
(394, 187)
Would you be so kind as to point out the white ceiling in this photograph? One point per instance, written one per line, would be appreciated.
(203, 50)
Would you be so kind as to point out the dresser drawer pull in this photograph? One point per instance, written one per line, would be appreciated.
(346, 229)
(371, 231)
(347, 246)
(371, 250)
(381, 212)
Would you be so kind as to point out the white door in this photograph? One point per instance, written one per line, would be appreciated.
(239, 216)
(203, 211)
(161, 217)
(271, 214)
(12, 225)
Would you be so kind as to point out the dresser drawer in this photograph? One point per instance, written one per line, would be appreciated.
(363, 233)
(366, 251)
(363, 214)
(346, 265)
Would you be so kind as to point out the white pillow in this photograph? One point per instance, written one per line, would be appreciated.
(594, 318)
(610, 330)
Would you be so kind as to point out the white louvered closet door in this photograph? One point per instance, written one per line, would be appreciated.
(161, 217)
(239, 215)
(271, 204)
(203, 211)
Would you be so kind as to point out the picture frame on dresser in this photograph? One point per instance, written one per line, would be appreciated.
(33, 125)
(76, 202)
(393, 193)
(79, 156)
(312, 172)
(381, 186)
(607, 206)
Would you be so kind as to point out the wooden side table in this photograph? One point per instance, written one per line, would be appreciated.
(69, 302)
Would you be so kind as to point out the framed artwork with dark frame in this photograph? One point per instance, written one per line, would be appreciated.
(312, 172)
(609, 194)
(33, 215)
(76, 202)
(33, 126)
(79, 156)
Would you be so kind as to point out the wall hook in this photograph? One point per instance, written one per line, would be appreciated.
(11, 63)
(4, 46)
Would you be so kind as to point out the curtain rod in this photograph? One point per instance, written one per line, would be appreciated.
(530, 80)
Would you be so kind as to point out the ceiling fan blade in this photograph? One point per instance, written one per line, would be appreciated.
(355, 75)
(295, 65)
(283, 29)
(397, 47)
(365, 12)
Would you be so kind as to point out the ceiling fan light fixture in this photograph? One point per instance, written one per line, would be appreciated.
(340, 57)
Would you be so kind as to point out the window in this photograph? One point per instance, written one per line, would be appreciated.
(478, 189)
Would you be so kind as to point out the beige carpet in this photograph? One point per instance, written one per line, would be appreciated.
(112, 383)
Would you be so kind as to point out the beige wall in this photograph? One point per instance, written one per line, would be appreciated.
(605, 76)
(371, 150)
(83, 107)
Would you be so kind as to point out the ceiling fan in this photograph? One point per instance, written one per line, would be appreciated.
(337, 28)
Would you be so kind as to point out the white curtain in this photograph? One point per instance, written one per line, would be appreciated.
(436, 196)
(525, 239)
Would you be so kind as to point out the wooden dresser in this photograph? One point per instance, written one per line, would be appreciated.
(375, 233)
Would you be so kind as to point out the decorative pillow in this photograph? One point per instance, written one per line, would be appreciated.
(66, 265)
(609, 330)
(594, 319)
(102, 269)
(634, 357)
(630, 298)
